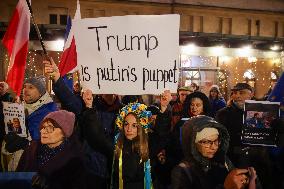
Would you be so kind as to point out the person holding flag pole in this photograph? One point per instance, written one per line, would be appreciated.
(37, 100)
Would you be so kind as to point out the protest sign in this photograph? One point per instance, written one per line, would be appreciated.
(134, 54)
(14, 118)
(258, 116)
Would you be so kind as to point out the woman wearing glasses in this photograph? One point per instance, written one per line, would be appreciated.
(57, 156)
(205, 164)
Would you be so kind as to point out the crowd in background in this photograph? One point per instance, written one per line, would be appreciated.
(110, 141)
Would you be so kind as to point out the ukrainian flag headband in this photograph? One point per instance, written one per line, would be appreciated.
(139, 110)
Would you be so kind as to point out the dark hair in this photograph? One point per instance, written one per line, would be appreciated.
(196, 94)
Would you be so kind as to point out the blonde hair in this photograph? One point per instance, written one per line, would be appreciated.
(139, 145)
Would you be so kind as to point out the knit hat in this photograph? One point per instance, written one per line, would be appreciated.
(64, 119)
(206, 132)
(39, 83)
(215, 88)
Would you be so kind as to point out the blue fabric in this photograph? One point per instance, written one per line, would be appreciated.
(69, 101)
(68, 80)
(147, 171)
(216, 105)
(68, 28)
(23, 180)
(35, 118)
(277, 94)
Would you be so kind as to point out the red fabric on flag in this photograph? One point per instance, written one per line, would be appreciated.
(16, 41)
(68, 59)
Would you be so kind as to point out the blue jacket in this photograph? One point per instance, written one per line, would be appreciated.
(33, 120)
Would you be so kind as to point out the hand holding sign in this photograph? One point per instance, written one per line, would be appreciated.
(166, 97)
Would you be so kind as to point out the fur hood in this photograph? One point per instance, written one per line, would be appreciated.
(189, 131)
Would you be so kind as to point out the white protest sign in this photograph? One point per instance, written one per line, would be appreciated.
(128, 54)
(14, 118)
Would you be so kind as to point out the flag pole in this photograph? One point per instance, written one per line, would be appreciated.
(41, 42)
(37, 29)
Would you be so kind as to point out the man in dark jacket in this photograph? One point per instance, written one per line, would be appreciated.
(232, 118)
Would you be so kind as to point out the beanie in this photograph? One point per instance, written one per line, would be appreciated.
(215, 88)
(206, 132)
(64, 119)
(39, 83)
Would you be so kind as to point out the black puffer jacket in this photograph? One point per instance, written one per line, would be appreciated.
(196, 171)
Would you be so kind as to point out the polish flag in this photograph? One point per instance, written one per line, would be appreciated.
(68, 59)
(16, 41)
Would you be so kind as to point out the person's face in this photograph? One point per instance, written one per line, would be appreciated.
(240, 96)
(196, 106)
(209, 146)
(51, 135)
(213, 94)
(30, 93)
(76, 87)
(130, 127)
(182, 95)
(16, 123)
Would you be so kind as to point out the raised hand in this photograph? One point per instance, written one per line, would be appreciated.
(166, 97)
(88, 98)
(51, 69)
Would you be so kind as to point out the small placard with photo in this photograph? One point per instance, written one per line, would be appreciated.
(257, 119)
(14, 118)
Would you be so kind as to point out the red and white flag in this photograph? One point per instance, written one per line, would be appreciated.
(16, 41)
(68, 59)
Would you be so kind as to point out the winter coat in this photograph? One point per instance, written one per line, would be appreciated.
(196, 171)
(97, 146)
(132, 168)
(65, 169)
(69, 101)
(34, 119)
(216, 104)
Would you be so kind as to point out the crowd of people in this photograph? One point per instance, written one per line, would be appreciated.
(104, 141)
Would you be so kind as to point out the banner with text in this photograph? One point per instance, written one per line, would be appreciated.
(14, 118)
(135, 54)
(257, 119)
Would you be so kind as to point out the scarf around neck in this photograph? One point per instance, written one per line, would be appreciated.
(45, 99)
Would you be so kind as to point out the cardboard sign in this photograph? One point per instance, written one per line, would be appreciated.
(258, 116)
(14, 118)
(128, 54)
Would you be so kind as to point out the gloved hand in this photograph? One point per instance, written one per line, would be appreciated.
(14, 142)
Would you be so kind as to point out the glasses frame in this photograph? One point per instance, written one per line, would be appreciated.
(48, 129)
(209, 143)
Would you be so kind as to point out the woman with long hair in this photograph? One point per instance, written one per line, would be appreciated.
(131, 164)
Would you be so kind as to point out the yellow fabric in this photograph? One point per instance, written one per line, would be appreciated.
(120, 171)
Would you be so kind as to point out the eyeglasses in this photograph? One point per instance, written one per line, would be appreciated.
(48, 129)
(209, 143)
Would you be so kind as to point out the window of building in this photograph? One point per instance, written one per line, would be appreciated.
(63, 19)
(53, 19)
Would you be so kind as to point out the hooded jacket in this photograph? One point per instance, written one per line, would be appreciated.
(196, 171)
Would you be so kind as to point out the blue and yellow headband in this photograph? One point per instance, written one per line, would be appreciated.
(139, 110)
